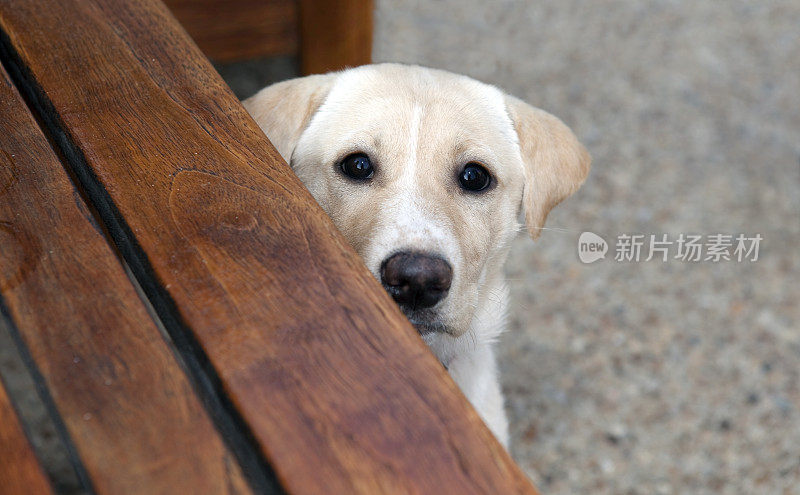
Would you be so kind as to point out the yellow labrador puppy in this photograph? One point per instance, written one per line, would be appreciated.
(425, 173)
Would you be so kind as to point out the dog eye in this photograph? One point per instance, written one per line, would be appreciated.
(357, 166)
(474, 178)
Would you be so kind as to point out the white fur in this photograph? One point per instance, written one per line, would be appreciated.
(420, 127)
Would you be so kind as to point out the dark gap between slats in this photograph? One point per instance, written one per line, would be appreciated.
(37, 413)
(232, 427)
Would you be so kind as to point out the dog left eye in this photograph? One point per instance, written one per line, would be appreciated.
(357, 166)
(474, 178)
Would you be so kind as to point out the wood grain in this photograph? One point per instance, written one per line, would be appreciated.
(228, 30)
(335, 34)
(127, 406)
(340, 393)
(20, 472)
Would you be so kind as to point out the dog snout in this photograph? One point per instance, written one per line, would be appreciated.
(415, 279)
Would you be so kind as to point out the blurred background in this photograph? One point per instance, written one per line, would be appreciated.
(644, 377)
(641, 377)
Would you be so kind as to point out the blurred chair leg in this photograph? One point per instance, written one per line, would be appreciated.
(335, 34)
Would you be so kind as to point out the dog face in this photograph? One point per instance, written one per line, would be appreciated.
(424, 172)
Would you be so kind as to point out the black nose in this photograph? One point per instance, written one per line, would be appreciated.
(416, 280)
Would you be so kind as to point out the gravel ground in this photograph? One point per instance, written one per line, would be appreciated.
(648, 377)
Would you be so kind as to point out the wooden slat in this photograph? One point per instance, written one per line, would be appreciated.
(341, 394)
(20, 472)
(228, 30)
(126, 404)
(335, 34)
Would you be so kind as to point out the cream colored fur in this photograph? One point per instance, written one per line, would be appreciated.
(420, 127)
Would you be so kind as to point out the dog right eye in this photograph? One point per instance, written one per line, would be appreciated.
(357, 166)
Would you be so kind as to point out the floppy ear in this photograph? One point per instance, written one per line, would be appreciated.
(555, 163)
(283, 110)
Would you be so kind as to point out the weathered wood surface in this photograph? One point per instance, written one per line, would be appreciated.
(20, 472)
(228, 30)
(335, 34)
(127, 406)
(339, 392)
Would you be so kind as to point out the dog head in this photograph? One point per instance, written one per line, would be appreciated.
(425, 173)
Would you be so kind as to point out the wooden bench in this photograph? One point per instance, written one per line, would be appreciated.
(325, 35)
(250, 351)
